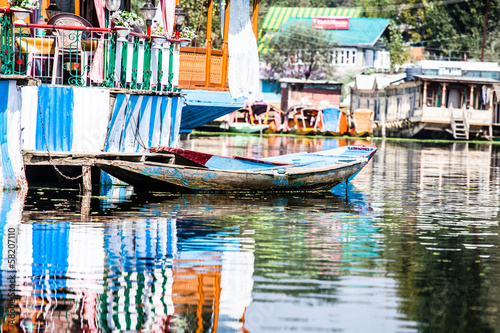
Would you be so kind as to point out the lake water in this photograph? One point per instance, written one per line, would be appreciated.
(412, 247)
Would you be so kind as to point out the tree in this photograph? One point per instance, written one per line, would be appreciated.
(297, 50)
(396, 46)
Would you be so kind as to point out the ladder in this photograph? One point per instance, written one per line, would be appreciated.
(460, 127)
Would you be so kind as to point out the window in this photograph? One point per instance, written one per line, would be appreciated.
(344, 57)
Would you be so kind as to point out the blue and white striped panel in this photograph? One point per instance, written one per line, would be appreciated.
(139, 122)
(73, 119)
(12, 169)
(176, 111)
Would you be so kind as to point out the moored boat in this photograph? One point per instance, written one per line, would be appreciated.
(178, 170)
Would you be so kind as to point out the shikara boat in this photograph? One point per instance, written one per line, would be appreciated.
(303, 120)
(363, 120)
(334, 122)
(256, 117)
(179, 170)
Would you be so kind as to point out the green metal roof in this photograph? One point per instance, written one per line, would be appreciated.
(362, 32)
(277, 16)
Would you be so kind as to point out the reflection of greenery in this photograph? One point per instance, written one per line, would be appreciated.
(440, 288)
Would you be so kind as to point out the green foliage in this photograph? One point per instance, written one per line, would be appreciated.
(299, 51)
(396, 45)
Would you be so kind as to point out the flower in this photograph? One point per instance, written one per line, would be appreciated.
(126, 19)
(158, 30)
(24, 4)
(187, 33)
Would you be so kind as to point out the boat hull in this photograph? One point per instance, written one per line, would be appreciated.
(180, 178)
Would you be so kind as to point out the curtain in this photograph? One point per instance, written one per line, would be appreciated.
(168, 15)
(243, 68)
(97, 70)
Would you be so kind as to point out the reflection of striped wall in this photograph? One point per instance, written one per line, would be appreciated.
(139, 255)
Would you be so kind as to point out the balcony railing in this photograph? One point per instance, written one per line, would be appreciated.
(66, 55)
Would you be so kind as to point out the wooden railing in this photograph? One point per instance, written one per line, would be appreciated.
(193, 68)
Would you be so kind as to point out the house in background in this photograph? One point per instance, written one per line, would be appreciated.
(358, 40)
(317, 94)
(435, 99)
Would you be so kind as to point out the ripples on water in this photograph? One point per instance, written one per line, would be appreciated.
(413, 247)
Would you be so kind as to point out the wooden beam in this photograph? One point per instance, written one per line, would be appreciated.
(208, 44)
(77, 7)
(225, 51)
(255, 17)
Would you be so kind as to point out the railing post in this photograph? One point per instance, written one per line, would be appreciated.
(146, 81)
(135, 63)
(159, 69)
(208, 45)
(170, 67)
(6, 45)
(110, 79)
(123, 73)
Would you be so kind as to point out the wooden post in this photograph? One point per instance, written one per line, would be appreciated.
(208, 45)
(424, 97)
(87, 178)
(443, 95)
(490, 106)
(471, 97)
(225, 51)
(255, 17)
(77, 7)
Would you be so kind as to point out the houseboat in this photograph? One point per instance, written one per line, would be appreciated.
(456, 102)
(76, 84)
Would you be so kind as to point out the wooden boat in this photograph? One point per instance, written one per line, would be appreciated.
(362, 119)
(334, 122)
(255, 117)
(303, 120)
(179, 170)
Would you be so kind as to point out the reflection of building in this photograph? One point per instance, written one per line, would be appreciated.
(131, 274)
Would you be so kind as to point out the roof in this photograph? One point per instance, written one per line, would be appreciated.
(362, 32)
(377, 81)
(460, 79)
(277, 16)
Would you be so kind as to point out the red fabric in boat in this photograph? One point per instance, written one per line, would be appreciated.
(195, 156)
(202, 158)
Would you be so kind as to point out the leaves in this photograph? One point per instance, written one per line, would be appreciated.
(297, 50)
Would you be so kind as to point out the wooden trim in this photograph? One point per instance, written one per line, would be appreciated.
(200, 50)
(77, 7)
(186, 84)
(208, 44)
(225, 55)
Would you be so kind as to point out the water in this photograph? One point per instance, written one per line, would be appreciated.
(412, 248)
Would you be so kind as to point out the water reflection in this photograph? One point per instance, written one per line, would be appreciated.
(412, 247)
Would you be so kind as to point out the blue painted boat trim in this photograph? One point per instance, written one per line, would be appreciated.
(203, 106)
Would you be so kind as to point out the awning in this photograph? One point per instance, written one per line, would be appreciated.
(277, 16)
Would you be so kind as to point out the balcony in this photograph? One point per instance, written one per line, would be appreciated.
(77, 55)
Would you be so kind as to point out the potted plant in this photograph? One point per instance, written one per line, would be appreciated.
(159, 34)
(186, 33)
(124, 22)
(22, 8)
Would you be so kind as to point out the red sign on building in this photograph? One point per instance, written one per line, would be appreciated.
(330, 23)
